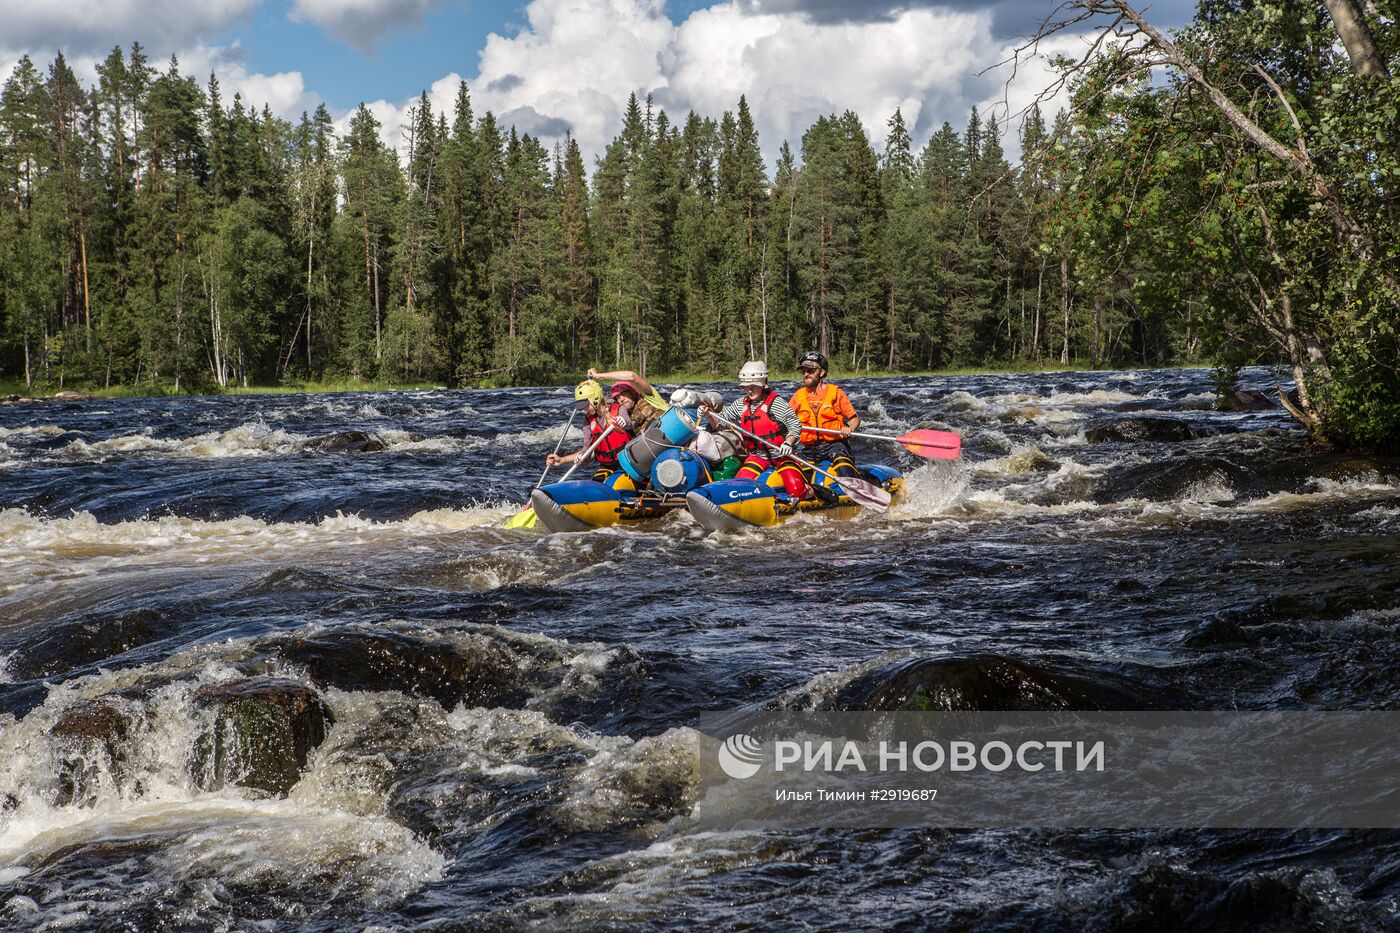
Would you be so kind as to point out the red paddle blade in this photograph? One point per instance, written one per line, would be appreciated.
(940, 445)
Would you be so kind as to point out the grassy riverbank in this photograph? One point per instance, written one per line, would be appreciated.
(39, 390)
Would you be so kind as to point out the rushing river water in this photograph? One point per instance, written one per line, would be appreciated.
(506, 713)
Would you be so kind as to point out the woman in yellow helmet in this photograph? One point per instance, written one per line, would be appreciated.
(588, 398)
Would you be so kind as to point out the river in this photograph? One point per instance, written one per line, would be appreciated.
(507, 713)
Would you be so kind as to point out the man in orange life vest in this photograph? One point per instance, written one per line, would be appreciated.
(763, 412)
(588, 398)
(820, 404)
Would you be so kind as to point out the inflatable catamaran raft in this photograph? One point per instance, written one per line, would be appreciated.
(663, 469)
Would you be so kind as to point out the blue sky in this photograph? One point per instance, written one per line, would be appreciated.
(403, 63)
(551, 66)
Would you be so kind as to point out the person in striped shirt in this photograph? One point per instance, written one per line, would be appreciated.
(763, 413)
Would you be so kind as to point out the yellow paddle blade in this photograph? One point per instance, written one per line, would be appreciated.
(525, 518)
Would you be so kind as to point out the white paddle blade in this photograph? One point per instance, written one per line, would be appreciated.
(866, 494)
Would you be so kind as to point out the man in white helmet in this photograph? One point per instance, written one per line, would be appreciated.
(765, 413)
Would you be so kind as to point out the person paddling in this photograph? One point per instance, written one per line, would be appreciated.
(822, 404)
(765, 413)
(588, 398)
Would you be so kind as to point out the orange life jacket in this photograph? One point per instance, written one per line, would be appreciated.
(606, 452)
(818, 413)
(758, 421)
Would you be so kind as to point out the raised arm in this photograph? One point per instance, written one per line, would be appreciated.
(643, 387)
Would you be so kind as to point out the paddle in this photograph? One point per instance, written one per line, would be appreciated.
(548, 466)
(867, 494)
(578, 461)
(526, 517)
(940, 445)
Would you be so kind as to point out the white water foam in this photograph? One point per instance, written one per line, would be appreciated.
(35, 549)
(306, 843)
(656, 775)
(250, 439)
(43, 430)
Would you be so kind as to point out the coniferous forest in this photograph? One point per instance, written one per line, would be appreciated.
(155, 233)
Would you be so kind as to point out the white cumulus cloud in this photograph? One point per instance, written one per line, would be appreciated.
(86, 31)
(284, 93)
(575, 62)
(794, 69)
(94, 26)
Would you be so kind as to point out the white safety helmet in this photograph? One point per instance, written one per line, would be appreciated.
(754, 373)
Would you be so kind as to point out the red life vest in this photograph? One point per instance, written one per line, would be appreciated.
(758, 421)
(606, 452)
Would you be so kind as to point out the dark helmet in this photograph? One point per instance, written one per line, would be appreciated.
(812, 356)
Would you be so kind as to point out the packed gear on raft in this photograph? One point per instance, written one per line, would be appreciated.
(765, 418)
(605, 445)
(823, 405)
(722, 448)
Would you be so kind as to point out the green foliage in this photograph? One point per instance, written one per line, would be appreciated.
(1227, 250)
(154, 235)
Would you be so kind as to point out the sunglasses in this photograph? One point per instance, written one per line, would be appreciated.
(808, 369)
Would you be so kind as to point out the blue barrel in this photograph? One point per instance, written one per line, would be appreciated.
(679, 425)
(676, 428)
(678, 471)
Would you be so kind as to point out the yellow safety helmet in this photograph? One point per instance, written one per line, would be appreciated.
(589, 390)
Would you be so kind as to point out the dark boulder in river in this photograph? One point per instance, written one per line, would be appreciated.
(1202, 479)
(91, 738)
(264, 731)
(346, 442)
(486, 673)
(1137, 431)
(1241, 400)
(988, 683)
(92, 721)
(69, 645)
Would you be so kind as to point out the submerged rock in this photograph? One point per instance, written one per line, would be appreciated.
(60, 648)
(1030, 460)
(346, 442)
(92, 739)
(1352, 468)
(486, 673)
(1160, 891)
(1138, 430)
(1200, 479)
(1244, 400)
(264, 731)
(93, 721)
(987, 683)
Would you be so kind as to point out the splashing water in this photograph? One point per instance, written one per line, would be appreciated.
(508, 715)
